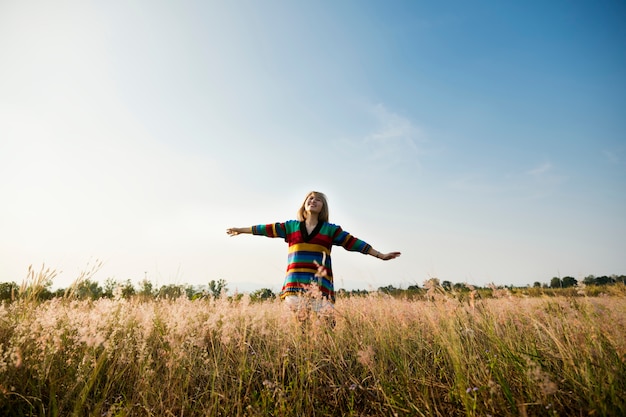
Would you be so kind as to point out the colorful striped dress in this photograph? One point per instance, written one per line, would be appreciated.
(306, 248)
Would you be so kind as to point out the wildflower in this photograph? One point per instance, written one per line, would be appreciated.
(467, 331)
(366, 357)
(17, 357)
(546, 385)
(493, 387)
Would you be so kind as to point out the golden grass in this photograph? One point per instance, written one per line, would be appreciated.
(385, 356)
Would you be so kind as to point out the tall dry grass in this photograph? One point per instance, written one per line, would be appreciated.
(385, 356)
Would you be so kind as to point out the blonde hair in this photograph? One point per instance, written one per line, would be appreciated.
(323, 216)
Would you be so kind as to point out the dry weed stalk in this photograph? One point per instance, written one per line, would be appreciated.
(434, 290)
(499, 292)
(36, 282)
(472, 296)
(83, 277)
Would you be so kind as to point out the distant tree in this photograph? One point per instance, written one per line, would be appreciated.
(569, 282)
(537, 284)
(110, 284)
(447, 285)
(8, 291)
(128, 290)
(589, 280)
(170, 291)
(218, 287)
(555, 282)
(190, 292)
(87, 289)
(146, 289)
(389, 289)
(604, 280)
(263, 294)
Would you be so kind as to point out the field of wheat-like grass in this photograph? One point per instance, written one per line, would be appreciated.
(385, 356)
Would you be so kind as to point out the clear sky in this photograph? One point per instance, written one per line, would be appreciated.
(485, 140)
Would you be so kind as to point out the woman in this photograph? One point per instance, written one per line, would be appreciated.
(310, 240)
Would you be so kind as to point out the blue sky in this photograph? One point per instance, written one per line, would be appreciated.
(484, 140)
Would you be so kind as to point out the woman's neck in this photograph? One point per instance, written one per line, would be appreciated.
(311, 219)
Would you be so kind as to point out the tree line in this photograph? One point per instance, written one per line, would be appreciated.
(40, 288)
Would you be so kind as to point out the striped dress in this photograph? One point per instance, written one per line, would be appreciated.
(305, 248)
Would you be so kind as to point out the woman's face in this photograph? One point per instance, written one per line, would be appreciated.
(313, 204)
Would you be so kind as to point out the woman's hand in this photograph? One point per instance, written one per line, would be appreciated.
(389, 256)
(234, 231)
(383, 256)
(322, 271)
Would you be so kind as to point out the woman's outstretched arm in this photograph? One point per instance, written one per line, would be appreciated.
(383, 256)
(234, 231)
(267, 230)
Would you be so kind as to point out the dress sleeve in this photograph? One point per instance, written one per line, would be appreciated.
(349, 242)
(270, 230)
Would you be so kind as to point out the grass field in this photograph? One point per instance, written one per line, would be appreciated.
(386, 356)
